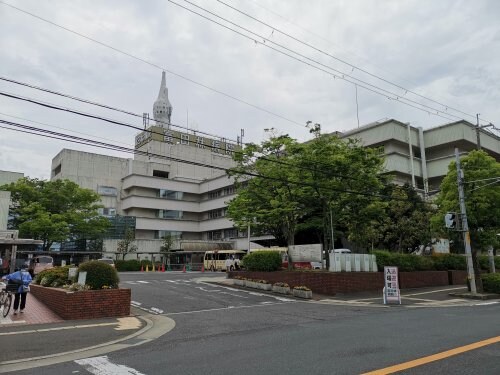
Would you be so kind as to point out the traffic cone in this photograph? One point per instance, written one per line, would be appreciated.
(184, 269)
(163, 267)
(202, 268)
(147, 267)
(142, 268)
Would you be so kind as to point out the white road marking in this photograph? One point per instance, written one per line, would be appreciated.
(227, 308)
(135, 303)
(156, 310)
(143, 282)
(59, 328)
(486, 303)
(103, 366)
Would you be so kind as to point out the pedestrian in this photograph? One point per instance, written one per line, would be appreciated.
(22, 278)
(228, 263)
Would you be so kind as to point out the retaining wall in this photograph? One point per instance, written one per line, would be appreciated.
(331, 283)
(88, 304)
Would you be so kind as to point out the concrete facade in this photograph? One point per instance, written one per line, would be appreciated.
(425, 163)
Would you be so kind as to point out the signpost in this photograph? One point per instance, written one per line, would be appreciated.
(391, 289)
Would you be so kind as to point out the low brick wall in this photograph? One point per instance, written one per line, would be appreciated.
(89, 304)
(457, 277)
(331, 283)
(422, 279)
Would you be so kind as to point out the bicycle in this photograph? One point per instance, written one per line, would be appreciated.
(6, 299)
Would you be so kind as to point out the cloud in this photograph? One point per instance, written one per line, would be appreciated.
(445, 50)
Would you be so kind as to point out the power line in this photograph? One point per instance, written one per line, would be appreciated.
(154, 65)
(341, 75)
(61, 136)
(119, 123)
(86, 101)
(353, 66)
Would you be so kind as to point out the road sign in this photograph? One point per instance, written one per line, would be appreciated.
(391, 289)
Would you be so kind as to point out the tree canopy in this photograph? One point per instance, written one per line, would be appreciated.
(482, 199)
(284, 185)
(54, 211)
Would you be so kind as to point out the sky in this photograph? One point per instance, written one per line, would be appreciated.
(439, 56)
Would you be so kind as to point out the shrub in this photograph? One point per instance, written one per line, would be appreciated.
(491, 282)
(262, 261)
(405, 262)
(444, 262)
(281, 285)
(484, 262)
(55, 277)
(99, 274)
(301, 287)
(128, 265)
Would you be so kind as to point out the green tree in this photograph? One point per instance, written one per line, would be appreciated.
(405, 223)
(344, 180)
(272, 202)
(166, 248)
(127, 245)
(482, 197)
(54, 211)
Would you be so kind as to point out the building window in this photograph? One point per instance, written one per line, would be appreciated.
(230, 233)
(215, 214)
(107, 190)
(229, 190)
(107, 211)
(170, 194)
(169, 214)
(214, 235)
(161, 174)
(159, 234)
(215, 194)
(57, 170)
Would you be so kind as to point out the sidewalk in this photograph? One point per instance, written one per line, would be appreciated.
(35, 313)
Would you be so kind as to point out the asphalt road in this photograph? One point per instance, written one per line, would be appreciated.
(223, 330)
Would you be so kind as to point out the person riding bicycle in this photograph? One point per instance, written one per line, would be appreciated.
(23, 279)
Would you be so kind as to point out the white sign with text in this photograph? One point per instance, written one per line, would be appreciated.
(391, 288)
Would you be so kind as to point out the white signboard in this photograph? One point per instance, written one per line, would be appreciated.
(72, 272)
(391, 288)
(441, 246)
(82, 278)
(305, 253)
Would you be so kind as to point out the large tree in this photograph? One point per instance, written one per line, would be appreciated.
(482, 201)
(405, 223)
(269, 189)
(285, 185)
(54, 211)
(344, 180)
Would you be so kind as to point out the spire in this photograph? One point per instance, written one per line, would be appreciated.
(162, 109)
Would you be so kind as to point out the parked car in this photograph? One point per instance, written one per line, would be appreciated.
(109, 261)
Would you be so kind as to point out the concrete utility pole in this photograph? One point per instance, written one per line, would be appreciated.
(465, 225)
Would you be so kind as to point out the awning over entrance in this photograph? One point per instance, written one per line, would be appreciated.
(202, 246)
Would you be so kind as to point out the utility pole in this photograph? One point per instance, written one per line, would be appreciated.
(478, 134)
(465, 225)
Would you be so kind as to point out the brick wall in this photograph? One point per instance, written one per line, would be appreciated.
(89, 304)
(331, 283)
(457, 277)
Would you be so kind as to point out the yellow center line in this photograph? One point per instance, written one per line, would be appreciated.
(434, 357)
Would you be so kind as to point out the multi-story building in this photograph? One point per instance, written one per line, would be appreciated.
(420, 157)
(176, 184)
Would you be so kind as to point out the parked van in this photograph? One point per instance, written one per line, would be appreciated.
(40, 263)
(215, 260)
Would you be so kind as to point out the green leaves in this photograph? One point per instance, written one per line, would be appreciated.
(54, 211)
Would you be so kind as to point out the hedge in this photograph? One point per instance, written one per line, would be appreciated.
(491, 282)
(262, 261)
(55, 277)
(438, 262)
(99, 275)
(132, 265)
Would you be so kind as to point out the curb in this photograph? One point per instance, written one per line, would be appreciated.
(161, 325)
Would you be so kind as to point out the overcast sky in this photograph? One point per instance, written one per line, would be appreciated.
(448, 51)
